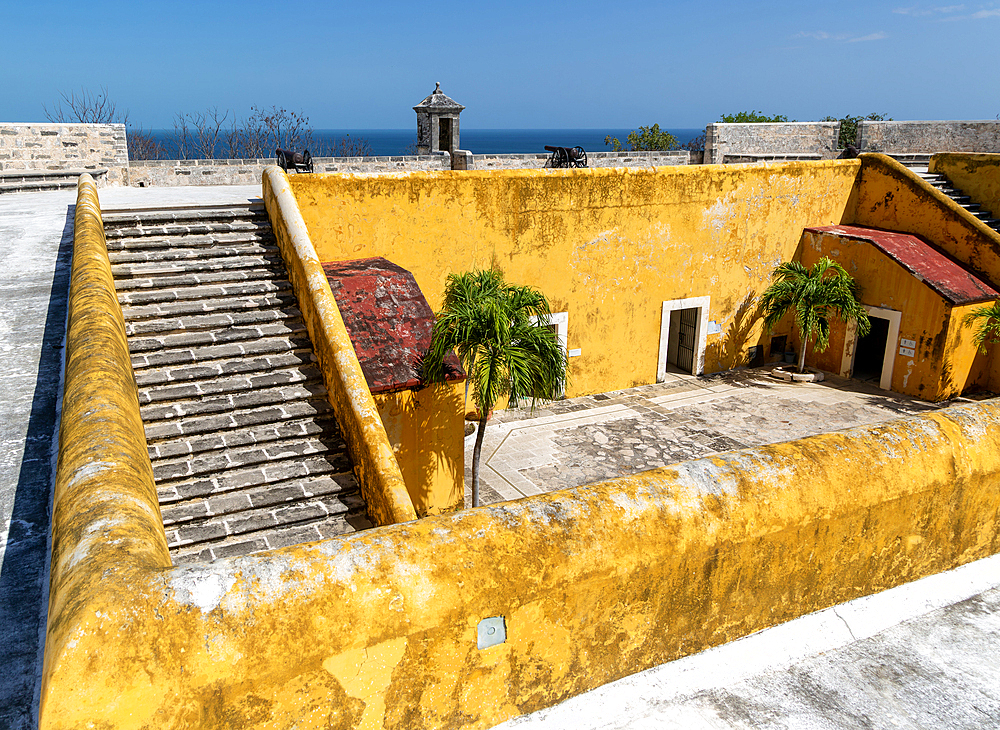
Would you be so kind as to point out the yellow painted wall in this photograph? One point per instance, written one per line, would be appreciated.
(977, 175)
(377, 629)
(426, 428)
(945, 363)
(375, 465)
(891, 196)
(606, 245)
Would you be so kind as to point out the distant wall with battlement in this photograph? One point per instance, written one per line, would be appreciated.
(784, 141)
(50, 146)
(925, 138)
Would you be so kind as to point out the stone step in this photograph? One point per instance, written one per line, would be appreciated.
(221, 252)
(292, 491)
(208, 261)
(39, 186)
(253, 435)
(193, 389)
(239, 419)
(239, 316)
(182, 281)
(268, 475)
(180, 230)
(225, 402)
(227, 351)
(280, 300)
(285, 535)
(167, 471)
(221, 368)
(204, 292)
(200, 337)
(159, 243)
(184, 213)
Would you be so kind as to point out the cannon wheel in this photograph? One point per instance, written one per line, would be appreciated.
(282, 162)
(580, 156)
(559, 158)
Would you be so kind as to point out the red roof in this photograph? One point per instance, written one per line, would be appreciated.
(389, 322)
(940, 272)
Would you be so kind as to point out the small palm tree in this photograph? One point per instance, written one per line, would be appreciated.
(988, 319)
(814, 295)
(498, 331)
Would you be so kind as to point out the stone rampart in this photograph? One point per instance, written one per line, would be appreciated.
(784, 141)
(58, 146)
(924, 138)
(531, 161)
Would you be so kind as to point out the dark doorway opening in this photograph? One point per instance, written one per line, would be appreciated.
(869, 355)
(444, 135)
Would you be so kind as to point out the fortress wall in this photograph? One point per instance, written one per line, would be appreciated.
(903, 138)
(160, 173)
(606, 246)
(747, 142)
(375, 465)
(594, 159)
(379, 629)
(977, 175)
(58, 146)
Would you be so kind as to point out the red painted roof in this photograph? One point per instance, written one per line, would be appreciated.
(932, 266)
(389, 321)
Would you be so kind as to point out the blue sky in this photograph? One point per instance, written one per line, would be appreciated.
(514, 64)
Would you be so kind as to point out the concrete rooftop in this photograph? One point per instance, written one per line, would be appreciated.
(920, 656)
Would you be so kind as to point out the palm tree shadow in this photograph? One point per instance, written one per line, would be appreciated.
(734, 344)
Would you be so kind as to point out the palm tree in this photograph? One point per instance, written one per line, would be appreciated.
(498, 331)
(814, 295)
(988, 319)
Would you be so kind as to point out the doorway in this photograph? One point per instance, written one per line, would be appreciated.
(683, 327)
(871, 358)
(869, 354)
(444, 135)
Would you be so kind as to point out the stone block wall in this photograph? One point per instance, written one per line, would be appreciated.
(924, 138)
(784, 141)
(56, 146)
(594, 159)
(161, 173)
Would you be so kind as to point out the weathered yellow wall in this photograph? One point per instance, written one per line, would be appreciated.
(945, 363)
(426, 430)
(891, 196)
(375, 465)
(378, 629)
(977, 175)
(607, 246)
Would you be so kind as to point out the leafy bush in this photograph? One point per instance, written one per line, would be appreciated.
(752, 117)
(849, 126)
(647, 138)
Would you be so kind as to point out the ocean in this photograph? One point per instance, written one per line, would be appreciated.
(384, 142)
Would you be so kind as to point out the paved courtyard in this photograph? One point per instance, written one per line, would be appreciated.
(589, 439)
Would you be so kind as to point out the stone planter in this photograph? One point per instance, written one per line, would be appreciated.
(791, 374)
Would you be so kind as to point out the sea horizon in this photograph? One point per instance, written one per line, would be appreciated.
(392, 142)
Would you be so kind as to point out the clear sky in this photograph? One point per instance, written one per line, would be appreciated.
(513, 64)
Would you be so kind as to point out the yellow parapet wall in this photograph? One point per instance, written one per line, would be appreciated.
(375, 465)
(893, 197)
(378, 629)
(977, 175)
(607, 246)
(106, 523)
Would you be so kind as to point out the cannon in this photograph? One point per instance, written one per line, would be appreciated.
(298, 161)
(567, 156)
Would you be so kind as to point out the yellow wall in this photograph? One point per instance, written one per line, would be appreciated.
(606, 245)
(945, 363)
(977, 175)
(377, 629)
(426, 428)
(892, 197)
(375, 465)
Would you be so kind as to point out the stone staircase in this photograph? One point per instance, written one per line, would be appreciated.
(943, 184)
(33, 181)
(245, 449)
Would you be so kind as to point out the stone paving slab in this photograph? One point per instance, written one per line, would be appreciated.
(583, 440)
